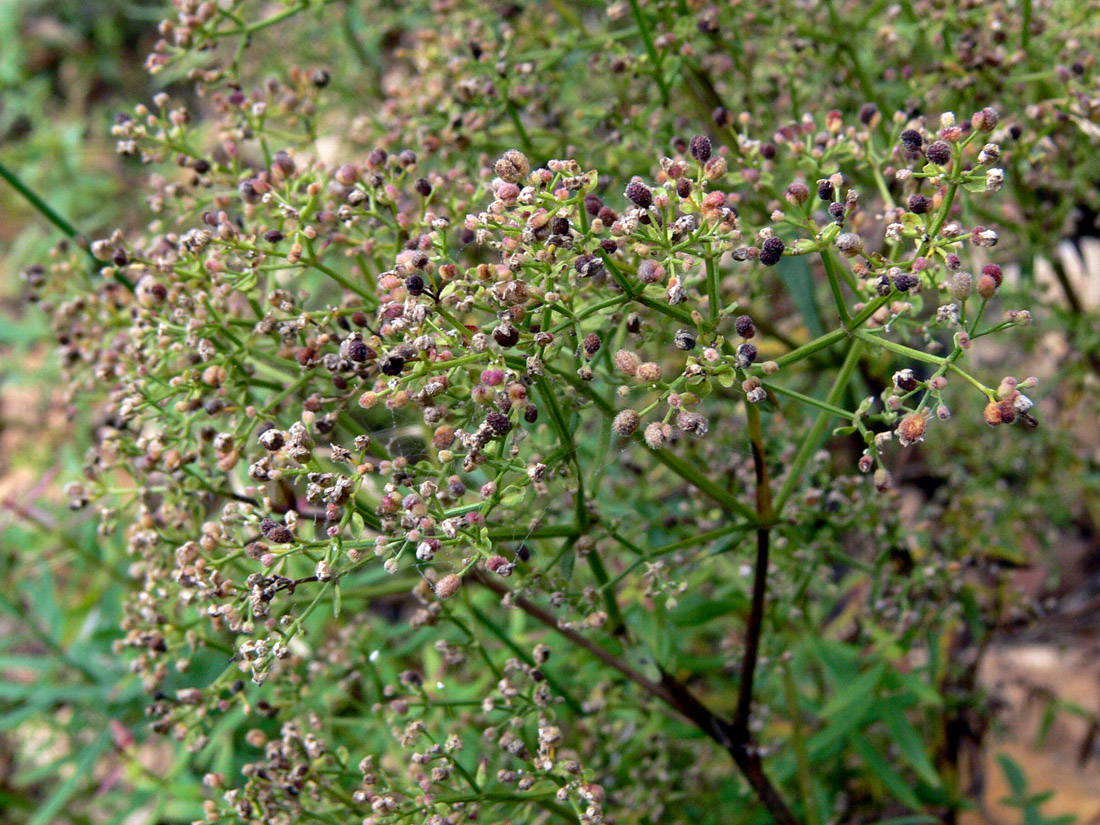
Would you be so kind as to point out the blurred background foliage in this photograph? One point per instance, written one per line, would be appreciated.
(65, 699)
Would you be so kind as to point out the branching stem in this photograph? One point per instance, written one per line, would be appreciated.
(50, 214)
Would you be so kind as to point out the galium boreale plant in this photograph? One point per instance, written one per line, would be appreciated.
(498, 477)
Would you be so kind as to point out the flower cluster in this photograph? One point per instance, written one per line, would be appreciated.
(358, 369)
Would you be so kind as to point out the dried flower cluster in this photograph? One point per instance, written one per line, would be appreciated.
(376, 364)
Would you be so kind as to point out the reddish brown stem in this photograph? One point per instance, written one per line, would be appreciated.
(674, 693)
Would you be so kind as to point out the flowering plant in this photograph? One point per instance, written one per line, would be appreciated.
(496, 458)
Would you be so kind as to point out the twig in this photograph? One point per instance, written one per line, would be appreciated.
(672, 692)
(742, 747)
(765, 518)
(654, 58)
(744, 755)
(609, 659)
(752, 635)
(53, 217)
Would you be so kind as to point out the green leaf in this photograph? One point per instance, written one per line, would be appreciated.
(795, 273)
(1045, 723)
(891, 781)
(917, 688)
(512, 497)
(912, 223)
(840, 660)
(568, 560)
(691, 613)
(1014, 774)
(14, 718)
(909, 743)
(47, 813)
(859, 693)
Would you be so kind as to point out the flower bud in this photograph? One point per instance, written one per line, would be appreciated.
(283, 165)
(639, 193)
(447, 586)
(685, 340)
(512, 167)
(797, 193)
(626, 362)
(985, 120)
(987, 286)
(849, 244)
(657, 434)
(911, 429)
(918, 204)
(347, 175)
(650, 272)
(700, 148)
(771, 251)
(939, 153)
(715, 168)
(626, 423)
(911, 139)
(960, 286)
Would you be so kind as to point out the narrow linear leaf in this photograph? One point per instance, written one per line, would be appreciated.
(912, 748)
(894, 784)
(84, 764)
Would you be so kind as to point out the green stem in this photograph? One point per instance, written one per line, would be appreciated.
(687, 471)
(315, 262)
(834, 285)
(813, 438)
(941, 218)
(801, 755)
(599, 572)
(918, 355)
(900, 349)
(989, 393)
(521, 534)
(672, 312)
(53, 217)
(682, 544)
(806, 350)
(679, 466)
(650, 50)
(876, 173)
(494, 628)
(806, 399)
(273, 20)
(565, 436)
(39, 204)
(978, 316)
(525, 139)
(455, 323)
(713, 301)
